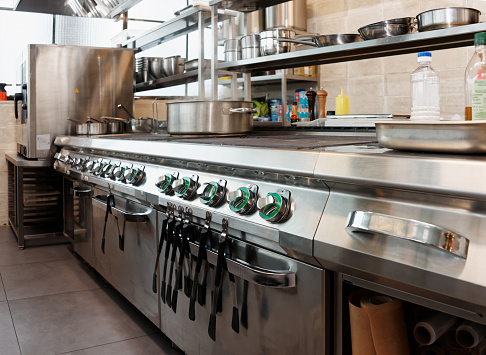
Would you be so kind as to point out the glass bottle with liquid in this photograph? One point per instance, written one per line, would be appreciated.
(475, 81)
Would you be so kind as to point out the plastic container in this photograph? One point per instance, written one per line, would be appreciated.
(3, 92)
(475, 82)
(424, 83)
(342, 104)
(276, 110)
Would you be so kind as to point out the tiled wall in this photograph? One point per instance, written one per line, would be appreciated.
(382, 85)
(7, 145)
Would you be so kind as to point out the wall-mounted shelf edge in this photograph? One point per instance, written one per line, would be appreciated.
(411, 43)
(245, 5)
(173, 80)
(181, 25)
(273, 79)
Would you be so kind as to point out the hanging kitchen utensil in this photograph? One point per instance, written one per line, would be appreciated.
(203, 237)
(184, 246)
(235, 320)
(176, 241)
(206, 267)
(188, 229)
(221, 263)
(110, 202)
(170, 234)
(163, 236)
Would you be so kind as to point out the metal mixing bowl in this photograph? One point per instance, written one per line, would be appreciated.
(156, 67)
(447, 17)
(388, 28)
(171, 65)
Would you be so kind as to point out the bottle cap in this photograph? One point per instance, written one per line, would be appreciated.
(424, 57)
(480, 38)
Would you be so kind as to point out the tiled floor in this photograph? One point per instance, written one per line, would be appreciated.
(53, 303)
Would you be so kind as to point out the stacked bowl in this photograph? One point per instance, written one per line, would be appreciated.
(250, 46)
(232, 50)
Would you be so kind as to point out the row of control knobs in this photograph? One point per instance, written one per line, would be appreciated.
(117, 172)
(275, 207)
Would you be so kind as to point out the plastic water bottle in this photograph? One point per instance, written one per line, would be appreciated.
(425, 90)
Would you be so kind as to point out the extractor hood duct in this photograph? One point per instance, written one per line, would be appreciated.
(83, 8)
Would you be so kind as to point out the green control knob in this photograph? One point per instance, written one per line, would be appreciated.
(244, 199)
(212, 193)
(275, 207)
(164, 185)
(134, 176)
(89, 165)
(107, 170)
(186, 187)
(119, 173)
(97, 168)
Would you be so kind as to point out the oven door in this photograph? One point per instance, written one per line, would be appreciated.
(130, 247)
(282, 305)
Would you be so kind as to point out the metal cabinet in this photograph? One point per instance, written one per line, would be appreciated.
(125, 257)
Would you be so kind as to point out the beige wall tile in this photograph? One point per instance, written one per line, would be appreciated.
(405, 63)
(397, 84)
(366, 67)
(437, 4)
(365, 5)
(400, 8)
(3, 209)
(451, 82)
(332, 26)
(366, 86)
(329, 9)
(398, 105)
(358, 18)
(3, 183)
(450, 59)
(479, 5)
(366, 105)
(333, 71)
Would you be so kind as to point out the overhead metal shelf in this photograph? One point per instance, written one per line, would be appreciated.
(181, 25)
(173, 80)
(411, 43)
(273, 79)
(245, 5)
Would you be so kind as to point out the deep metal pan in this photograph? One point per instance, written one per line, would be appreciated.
(464, 137)
(209, 117)
(447, 17)
(388, 28)
(334, 39)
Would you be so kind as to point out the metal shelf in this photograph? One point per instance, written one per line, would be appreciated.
(273, 79)
(245, 5)
(411, 43)
(181, 25)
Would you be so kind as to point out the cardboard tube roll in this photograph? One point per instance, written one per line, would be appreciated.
(480, 349)
(470, 334)
(387, 322)
(361, 339)
(429, 350)
(449, 344)
(430, 329)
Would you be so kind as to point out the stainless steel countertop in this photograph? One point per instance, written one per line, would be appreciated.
(364, 164)
(19, 160)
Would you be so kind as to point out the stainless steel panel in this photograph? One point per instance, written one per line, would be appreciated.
(431, 271)
(291, 14)
(70, 81)
(274, 324)
(130, 270)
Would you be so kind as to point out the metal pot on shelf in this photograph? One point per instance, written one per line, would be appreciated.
(209, 117)
(277, 41)
(89, 127)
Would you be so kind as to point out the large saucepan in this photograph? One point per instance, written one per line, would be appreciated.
(90, 127)
(209, 117)
(138, 125)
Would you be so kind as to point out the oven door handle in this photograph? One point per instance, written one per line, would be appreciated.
(409, 229)
(125, 215)
(252, 273)
(84, 191)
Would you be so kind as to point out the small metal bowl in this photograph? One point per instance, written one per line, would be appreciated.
(388, 28)
(331, 40)
(447, 17)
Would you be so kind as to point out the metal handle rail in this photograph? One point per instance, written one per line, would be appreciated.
(251, 273)
(409, 229)
(126, 215)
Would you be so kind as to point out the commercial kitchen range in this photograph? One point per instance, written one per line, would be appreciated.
(290, 224)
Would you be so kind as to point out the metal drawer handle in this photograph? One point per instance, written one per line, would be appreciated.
(251, 273)
(229, 111)
(81, 192)
(125, 215)
(415, 231)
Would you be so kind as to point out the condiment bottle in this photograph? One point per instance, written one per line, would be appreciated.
(294, 116)
(321, 103)
(342, 104)
(3, 92)
(475, 80)
(424, 84)
(311, 99)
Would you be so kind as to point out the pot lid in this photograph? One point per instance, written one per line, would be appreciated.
(82, 8)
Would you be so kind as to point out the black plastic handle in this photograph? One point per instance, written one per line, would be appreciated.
(170, 236)
(217, 284)
(110, 201)
(203, 237)
(17, 97)
(175, 243)
(159, 251)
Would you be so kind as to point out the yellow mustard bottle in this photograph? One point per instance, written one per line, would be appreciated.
(342, 104)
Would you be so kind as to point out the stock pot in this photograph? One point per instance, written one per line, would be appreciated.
(209, 117)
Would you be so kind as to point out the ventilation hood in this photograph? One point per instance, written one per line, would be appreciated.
(83, 8)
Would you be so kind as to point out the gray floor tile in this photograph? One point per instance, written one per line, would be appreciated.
(148, 345)
(8, 340)
(7, 236)
(3, 296)
(74, 321)
(49, 278)
(11, 255)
